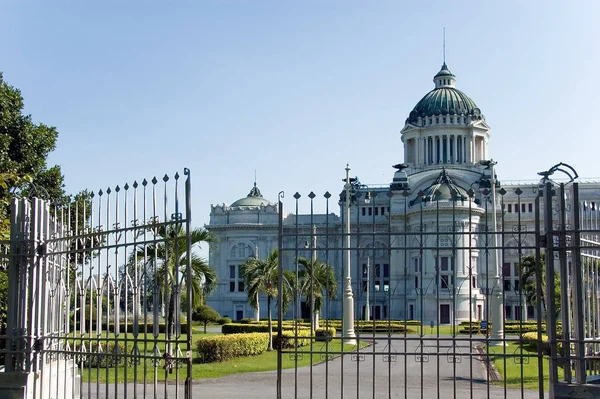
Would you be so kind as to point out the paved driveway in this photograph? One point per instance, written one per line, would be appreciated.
(366, 375)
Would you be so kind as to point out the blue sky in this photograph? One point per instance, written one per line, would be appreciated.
(297, 89)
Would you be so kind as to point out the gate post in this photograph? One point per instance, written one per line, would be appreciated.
(13, 382)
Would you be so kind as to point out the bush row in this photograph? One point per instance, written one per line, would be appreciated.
(220, 348)
(239, 328)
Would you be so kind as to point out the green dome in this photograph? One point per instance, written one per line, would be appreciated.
(254, 199)
(444, 100)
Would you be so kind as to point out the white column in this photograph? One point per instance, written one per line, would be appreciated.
(436, 156)
(448, 148)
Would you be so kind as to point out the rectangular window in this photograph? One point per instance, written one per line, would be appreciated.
(388, 209)
(240, 286)
(530, 207)
(523, 207)
(474, 282)
(232, 271)
(386, 285)
(386, 270)
(377, 271)
(377, 286)
(232, 286)
(506, 269)
(418, 265)
(509, 208)
(508, 311)
(383, 210)
(365, 271)
(364, 211)
(376, 211)
(446, 281)
(507, 285)
(517, 285)
(364, 286)
(530, 312)
(416, 282)
(370, 211)
(516, 208)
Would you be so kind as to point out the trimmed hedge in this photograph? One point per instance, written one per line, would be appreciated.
(239, 328)
(224, 347)
(290, 340)
(325, 334)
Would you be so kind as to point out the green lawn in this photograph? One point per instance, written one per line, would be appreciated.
(264, 362)
(515, 369)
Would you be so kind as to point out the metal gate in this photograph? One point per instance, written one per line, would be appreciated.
(444, 292)
(95, 294)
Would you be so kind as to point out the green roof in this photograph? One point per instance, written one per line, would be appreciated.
(444, 100)
(254, 198)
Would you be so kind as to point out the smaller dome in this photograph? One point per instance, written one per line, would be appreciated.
(254, 199)
(443, 189)
(444, 72)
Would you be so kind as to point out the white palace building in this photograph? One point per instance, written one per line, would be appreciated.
(435, 218)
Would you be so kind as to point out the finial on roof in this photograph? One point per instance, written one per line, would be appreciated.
(444, 46)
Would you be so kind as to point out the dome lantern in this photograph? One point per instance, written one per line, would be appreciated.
(444, 78)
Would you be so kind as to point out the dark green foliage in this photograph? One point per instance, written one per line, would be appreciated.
(24, 149)
(317, 281)
(325, 334)
(529, 267)
(261, 277)
(224, 320)
(205, 314)
(239, 328)
(292, 339)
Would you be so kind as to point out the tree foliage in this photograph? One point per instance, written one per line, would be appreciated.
(529, 268)
(205, 314)
(317, 280)
(170, 252)
(261, 277)
(24, 149)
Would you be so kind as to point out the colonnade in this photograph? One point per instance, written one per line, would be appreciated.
(442, 149)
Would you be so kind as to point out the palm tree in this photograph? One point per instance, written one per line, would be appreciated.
(261, 277)
(317, 279)
(529, 269)
(170, 255)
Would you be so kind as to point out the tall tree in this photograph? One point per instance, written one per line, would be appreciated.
(529, 268)
(261, 277)
(172, 251)
(317, 280)
(24, 149)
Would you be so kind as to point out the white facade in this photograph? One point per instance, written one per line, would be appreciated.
(432, 218)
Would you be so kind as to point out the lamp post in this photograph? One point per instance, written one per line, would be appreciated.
(348, 298)
(367, 304)
(496, 302)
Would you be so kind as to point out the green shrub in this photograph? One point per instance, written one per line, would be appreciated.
(238, 328)
(205, 314)
(224, 347)
(325, 334)
(107, 355)
(224, 320)
(290, 340)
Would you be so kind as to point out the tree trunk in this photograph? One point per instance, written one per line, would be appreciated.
(316, 320)
(205, 323)
(170, 320)
(270, 348)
